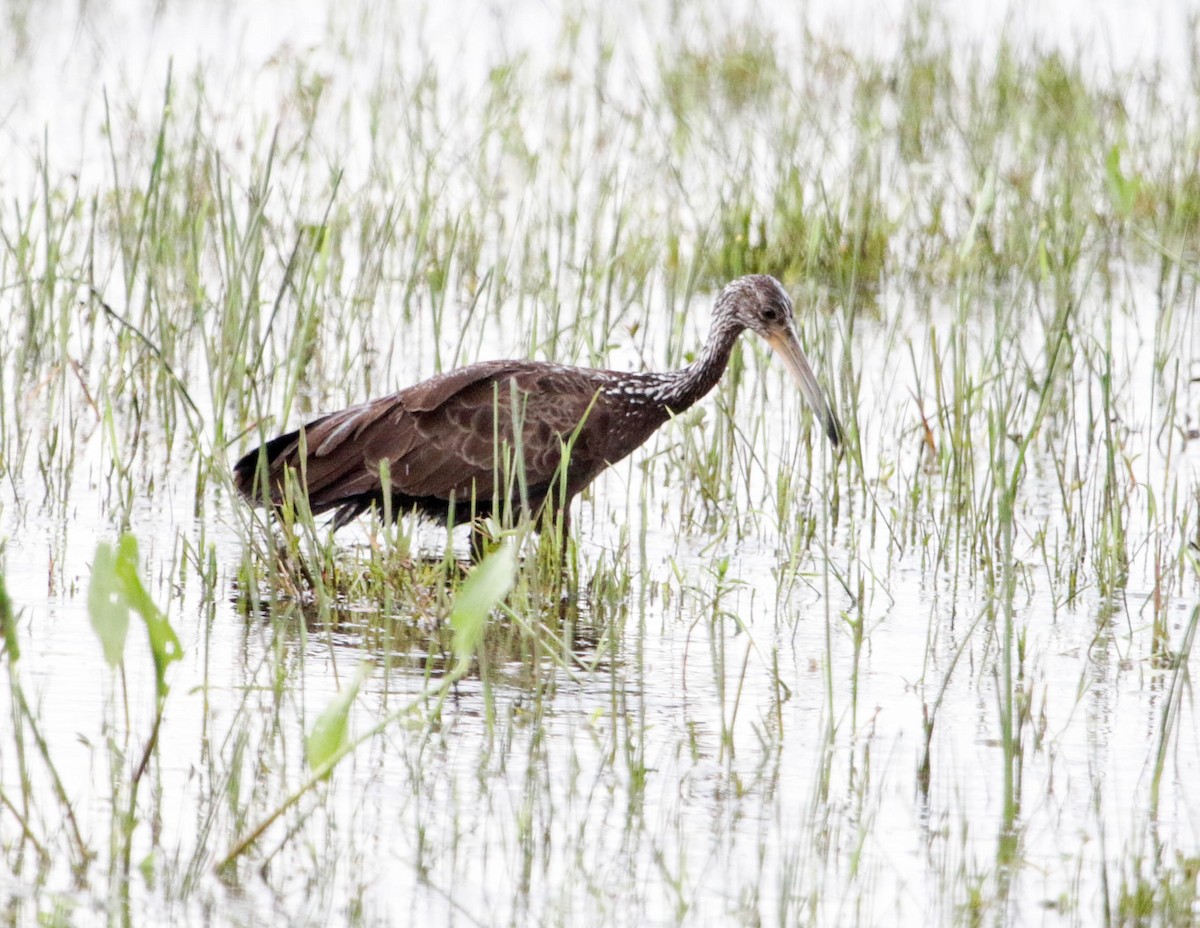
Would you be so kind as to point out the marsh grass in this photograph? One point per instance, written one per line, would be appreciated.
(943, 675)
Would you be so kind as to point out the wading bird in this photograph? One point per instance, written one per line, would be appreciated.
(442, 444)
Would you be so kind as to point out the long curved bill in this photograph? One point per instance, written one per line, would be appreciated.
(787, 346)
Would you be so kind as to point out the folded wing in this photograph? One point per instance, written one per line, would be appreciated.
(451, 437)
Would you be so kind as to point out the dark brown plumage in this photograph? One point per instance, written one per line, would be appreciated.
(445, 440)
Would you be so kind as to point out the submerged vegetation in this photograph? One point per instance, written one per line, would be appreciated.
(943, 677)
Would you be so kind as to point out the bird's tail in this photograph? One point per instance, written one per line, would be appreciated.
(267, 461)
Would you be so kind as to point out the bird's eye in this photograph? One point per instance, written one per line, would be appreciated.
(771, 314)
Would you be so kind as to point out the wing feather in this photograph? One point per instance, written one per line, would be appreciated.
(443, 438)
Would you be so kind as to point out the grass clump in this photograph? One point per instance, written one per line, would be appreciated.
(818, 243)
(738, 73)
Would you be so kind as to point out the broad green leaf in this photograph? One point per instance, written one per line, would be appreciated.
(107, 605)
(329, 734)
(1123, 189)
(164, 644)
(147, 869)
(488, 583)
(116, 590)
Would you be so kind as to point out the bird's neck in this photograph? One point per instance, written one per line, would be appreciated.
(698, 378)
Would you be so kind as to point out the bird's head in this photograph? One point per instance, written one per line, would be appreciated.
(759, 303)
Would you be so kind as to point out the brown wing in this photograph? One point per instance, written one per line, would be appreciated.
(445, 437)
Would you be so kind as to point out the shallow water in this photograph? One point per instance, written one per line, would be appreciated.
(724, 751)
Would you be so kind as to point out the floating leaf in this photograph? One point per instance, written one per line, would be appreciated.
(488, 583)
(329, 733)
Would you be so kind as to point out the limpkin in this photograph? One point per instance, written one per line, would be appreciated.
(440, 442)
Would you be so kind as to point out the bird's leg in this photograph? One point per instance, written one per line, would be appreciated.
(560, 524)
(564, 540)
